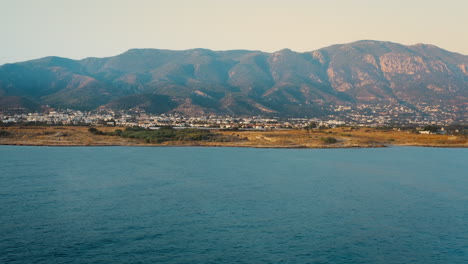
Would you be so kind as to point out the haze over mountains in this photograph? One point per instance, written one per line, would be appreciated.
(242, 82)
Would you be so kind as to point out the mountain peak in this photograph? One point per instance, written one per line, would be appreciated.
(285, 50)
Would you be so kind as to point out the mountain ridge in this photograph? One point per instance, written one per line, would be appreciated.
(245, 82)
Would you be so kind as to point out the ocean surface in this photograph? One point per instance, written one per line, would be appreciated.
(233, 205)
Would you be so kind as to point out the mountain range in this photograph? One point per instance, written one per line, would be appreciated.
(243, 82)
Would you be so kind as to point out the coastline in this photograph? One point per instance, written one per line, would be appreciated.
(234, 146)
(344, 137)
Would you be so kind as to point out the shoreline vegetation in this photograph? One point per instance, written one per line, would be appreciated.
(340, 137)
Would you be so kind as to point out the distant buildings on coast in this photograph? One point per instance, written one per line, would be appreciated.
(342, 116)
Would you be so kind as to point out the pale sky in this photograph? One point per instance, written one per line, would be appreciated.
(31, 29)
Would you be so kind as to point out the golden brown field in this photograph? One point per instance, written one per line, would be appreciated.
(345, 137)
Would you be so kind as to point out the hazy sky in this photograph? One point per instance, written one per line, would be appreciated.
(97, 28)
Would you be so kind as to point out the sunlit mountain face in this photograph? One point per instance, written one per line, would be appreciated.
(243, 82)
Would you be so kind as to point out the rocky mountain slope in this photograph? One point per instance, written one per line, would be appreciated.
(243, 82)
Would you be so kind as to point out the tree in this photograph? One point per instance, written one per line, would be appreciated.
(329, 140)
(311, 125)
(431, 128)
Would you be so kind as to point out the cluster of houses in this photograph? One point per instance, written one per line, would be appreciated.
(384, 114)
(111, 118)
(376, 117)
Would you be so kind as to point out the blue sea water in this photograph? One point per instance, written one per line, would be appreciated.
(233, 205)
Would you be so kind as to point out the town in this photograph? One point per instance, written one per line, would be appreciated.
(364, 115)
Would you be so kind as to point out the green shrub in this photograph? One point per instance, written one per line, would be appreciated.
(95, 131)
(329, 140)
(170, 134)
(167, 134)
(4, 133)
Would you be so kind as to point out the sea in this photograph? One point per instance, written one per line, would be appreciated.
(233, 205)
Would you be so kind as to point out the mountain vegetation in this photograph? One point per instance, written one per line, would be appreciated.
(242, 82)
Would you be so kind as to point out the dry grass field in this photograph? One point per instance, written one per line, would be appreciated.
(346, 137)
(343, 137)
(62, 136)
